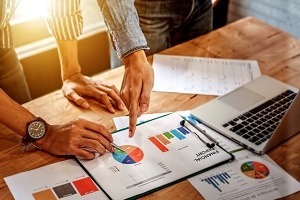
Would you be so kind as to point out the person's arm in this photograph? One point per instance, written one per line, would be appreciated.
(76, 86)
(65, 24)
(136, 86)
(123, 25)
(66, 139)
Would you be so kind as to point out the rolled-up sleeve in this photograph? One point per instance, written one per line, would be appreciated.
(64, 19)
(122, 21)
(7, 8)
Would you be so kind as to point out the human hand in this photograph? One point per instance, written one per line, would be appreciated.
(75, 137)
(136, 87)
(77, 86)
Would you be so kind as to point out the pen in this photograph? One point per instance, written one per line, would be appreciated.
(204, 133)
(117, 147)
(209, 145)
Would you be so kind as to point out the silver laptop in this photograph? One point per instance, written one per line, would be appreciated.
(258, 115)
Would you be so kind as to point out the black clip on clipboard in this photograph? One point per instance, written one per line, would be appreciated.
(209, 141)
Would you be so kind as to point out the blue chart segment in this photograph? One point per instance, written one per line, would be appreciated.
(177, 134)
(130, 155)
(183, 130)
(218, 179)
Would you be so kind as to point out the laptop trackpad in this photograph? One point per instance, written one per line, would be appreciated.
(241, 98)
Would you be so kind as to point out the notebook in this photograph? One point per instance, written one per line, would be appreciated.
(258, 115)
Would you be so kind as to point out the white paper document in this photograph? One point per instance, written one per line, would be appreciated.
(198, 75)
(123, 121)
(62, 180)
(161, 152)
(259, 179)
(249, 177)
(228, 145)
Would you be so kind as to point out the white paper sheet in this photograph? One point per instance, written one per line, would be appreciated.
(249, 177)
(277, 185)
(161, 152)
(62, 180)
(228, 145)
(197, 75)
(123, 121)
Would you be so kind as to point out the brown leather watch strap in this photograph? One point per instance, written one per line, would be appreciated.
(26, 138)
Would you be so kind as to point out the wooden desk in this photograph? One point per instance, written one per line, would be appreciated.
(278, 55)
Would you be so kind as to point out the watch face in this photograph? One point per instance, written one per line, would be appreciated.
(36, 129)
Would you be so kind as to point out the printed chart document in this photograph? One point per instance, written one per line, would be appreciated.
(248, 177)
(122, 122)
(161, 152)
(228, 145)
(197, 75)
(259, 179)
(62, 180)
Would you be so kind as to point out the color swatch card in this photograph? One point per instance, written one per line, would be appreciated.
(62, 180)
(161, 152)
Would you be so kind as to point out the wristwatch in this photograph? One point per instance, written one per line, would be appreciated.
(36, 129)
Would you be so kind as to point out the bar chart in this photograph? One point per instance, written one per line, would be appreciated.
(247, 170)
(217, 180)
(162, 140)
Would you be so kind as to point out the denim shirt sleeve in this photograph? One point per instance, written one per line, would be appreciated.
(122, 22)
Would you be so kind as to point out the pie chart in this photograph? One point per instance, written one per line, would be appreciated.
(255, 170)
(131, 154)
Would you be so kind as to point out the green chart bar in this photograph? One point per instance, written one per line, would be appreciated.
(163, 139)
(168, 135)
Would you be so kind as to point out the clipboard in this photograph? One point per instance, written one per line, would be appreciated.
(162, 153)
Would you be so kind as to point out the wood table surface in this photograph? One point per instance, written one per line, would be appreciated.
(277, 53)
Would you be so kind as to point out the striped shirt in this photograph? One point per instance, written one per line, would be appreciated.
(63, 18)
(122, 21)
(7, 9)
(64, 21)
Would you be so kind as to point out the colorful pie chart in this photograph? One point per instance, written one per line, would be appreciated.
(255, 170)
(130, 155)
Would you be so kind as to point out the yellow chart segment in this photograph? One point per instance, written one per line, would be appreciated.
(255, 170)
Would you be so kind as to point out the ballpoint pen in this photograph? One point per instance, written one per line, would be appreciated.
(209, 145)
(204, 132)
(117, 147)
(94, 151)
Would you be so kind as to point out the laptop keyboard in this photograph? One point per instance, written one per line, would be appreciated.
(258, 124)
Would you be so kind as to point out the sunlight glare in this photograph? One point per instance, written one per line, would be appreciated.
(32, 8)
